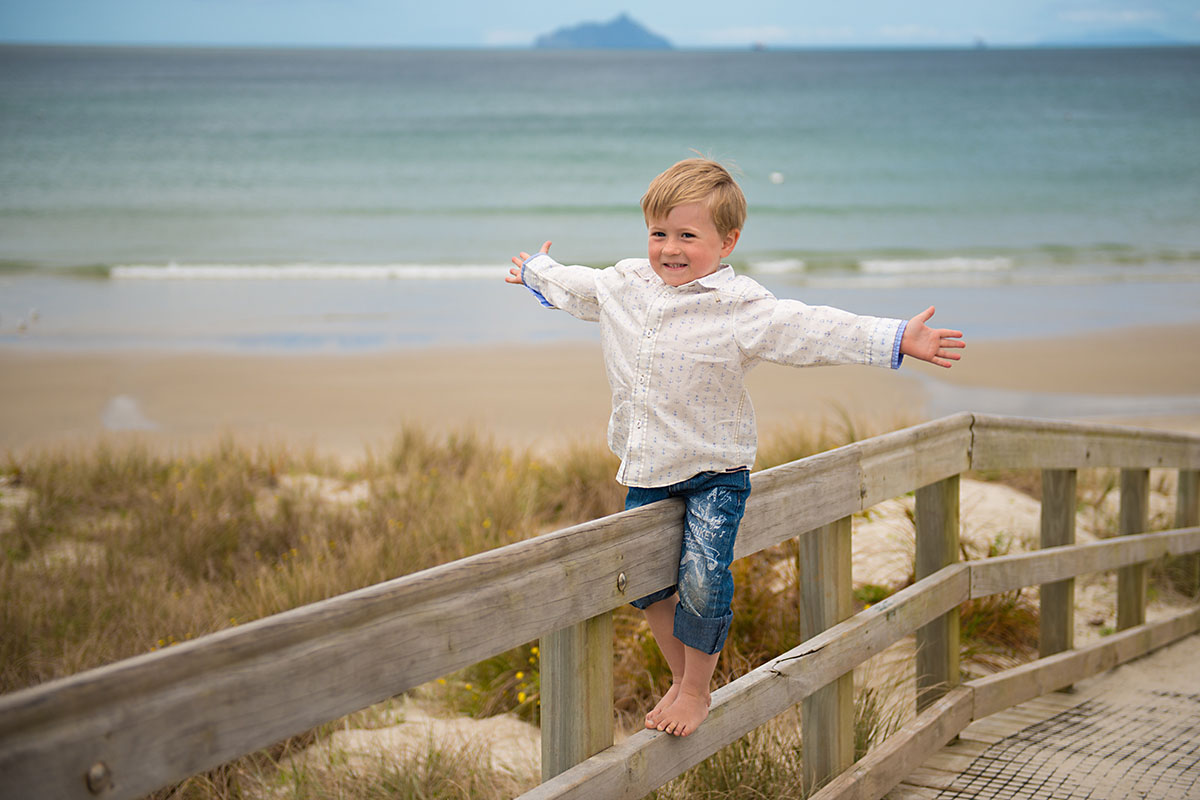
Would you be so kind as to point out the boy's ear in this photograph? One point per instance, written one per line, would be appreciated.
(731, 240)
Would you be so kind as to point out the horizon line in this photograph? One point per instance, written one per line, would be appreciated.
(975, 45)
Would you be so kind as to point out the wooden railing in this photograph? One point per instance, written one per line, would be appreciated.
(129, 728)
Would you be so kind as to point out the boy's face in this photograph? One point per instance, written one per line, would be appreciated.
(686, 246)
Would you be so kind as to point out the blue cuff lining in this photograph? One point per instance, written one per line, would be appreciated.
(897, 356)
(541, 298)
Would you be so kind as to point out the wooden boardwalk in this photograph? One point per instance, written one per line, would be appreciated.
(1132, 732)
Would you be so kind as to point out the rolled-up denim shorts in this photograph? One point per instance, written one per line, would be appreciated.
(714, 503)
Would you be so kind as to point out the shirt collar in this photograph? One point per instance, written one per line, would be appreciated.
(715, 280)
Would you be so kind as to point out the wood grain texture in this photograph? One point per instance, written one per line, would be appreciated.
(1008, 573)
(905, 750)
(1019, 443)
(826, 598)
(1056, 617)
(1134, 519)
(576, 673)
(1018, 684)
(1187, 515)
(937, 547)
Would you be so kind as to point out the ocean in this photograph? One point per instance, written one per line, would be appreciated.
(296, 200)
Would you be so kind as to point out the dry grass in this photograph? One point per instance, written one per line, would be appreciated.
(114, 551)
(108, 553)
(436, 771)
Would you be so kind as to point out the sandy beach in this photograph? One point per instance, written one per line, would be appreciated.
(545, 396)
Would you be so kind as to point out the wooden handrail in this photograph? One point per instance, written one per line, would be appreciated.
(1006, 573)
(1020, 443)
(155, 719)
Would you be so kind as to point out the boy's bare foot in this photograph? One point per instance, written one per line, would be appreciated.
(655, 714)
(684, 715)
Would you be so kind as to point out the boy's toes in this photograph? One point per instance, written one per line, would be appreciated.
(655, 715)
(684, 715)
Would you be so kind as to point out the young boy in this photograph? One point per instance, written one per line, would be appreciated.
(679, 331)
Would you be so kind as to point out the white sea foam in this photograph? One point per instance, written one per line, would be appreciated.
(940, 265)
(288, 272)
(779, 267)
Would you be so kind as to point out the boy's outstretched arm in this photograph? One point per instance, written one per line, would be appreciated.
(514, 272)
(935, 345)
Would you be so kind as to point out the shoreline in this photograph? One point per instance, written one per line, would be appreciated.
(547, 396)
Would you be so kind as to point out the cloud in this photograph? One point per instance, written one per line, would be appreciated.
(1111, 16)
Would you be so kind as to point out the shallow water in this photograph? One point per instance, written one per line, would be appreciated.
(52, 312)
(1024, 192)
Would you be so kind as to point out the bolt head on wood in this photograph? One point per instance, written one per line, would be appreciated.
(622, 582)
(99, 778)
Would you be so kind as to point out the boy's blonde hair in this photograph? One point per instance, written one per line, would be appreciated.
(697, 180)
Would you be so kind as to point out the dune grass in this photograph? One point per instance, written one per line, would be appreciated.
(113, 551)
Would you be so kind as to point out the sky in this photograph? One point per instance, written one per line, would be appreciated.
(486, 23)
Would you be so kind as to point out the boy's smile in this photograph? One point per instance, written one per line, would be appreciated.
(686, 245)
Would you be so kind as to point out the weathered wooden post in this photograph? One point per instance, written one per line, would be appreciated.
(937, 547)
(826, 598)
(1057, 614)
(1135, 518)
(1187, 515)
(576, 693)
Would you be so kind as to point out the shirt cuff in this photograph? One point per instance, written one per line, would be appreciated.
(541, 298)
(897, 356)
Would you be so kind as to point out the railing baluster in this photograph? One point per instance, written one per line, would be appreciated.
(937, 547)
(827, 598)
(1187, 515)
(1135, 517)
(1057, 615)
(576, 693)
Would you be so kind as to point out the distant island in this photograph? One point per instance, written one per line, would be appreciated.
(622, 33)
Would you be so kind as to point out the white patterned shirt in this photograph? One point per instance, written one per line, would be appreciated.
(676, 357)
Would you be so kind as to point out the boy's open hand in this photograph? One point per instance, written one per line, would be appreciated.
(935, 345)
(514, 272)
